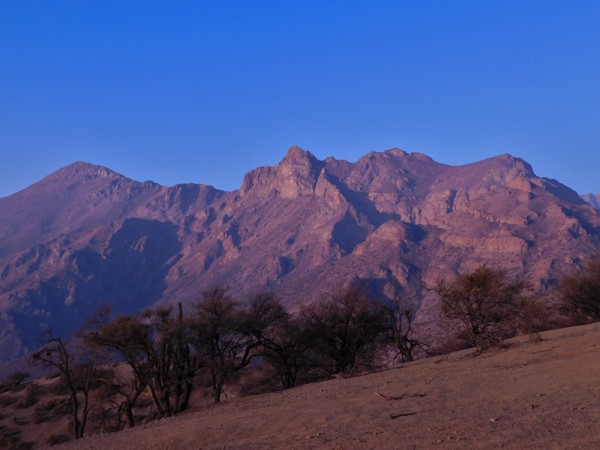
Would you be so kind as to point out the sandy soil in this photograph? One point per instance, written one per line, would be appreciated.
(531, 395)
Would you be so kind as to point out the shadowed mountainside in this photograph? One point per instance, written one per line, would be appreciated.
(85, 236)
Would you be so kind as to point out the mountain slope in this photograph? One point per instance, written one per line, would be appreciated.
(85, 236)
(592, 199)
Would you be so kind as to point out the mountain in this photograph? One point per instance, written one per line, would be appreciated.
(85, 236)
(592, 199)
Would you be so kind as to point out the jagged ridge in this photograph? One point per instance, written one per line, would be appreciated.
(85, 236)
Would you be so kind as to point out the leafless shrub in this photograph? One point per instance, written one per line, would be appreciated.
(157, 348)
(580, 293)
(485, 303)
(535, 315)
(226, 335)
(283, 343)
(400, 330)
(77, 374)
(344, 330)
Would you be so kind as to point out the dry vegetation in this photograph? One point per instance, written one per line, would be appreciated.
(540, 393)
(127, 371)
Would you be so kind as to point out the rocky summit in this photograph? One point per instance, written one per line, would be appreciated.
(85, 237)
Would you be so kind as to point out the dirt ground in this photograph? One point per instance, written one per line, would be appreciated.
(543, 394)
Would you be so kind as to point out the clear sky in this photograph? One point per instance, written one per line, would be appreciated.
(193, 91)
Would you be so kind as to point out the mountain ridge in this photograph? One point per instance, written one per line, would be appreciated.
(85, 235)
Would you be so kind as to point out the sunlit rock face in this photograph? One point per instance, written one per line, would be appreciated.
(86, 237)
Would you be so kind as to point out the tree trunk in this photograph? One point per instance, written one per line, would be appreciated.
(161, 411)
(129, 415)
(75, 417)
(218, 390)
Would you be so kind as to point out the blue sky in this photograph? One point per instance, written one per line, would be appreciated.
(192, 91)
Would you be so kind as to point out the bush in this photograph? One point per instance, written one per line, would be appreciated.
(345, 330)
(485, 303)
(580, 293)
(400, 332)
(535, 316)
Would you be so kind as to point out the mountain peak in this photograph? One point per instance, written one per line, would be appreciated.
(297, 155)
(83, 171)
(297, 173)
(395, 151)
(515, 161)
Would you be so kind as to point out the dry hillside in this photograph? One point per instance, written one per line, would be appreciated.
(533, 394)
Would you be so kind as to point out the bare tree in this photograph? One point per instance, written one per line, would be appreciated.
(156, 346)
(76, 374)
(283, 343)
(130, 339)
(117, 397)
(172, 367)
(400, 330)
(224, 336)
(344, 329)
(580, 293)
(486, 304)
